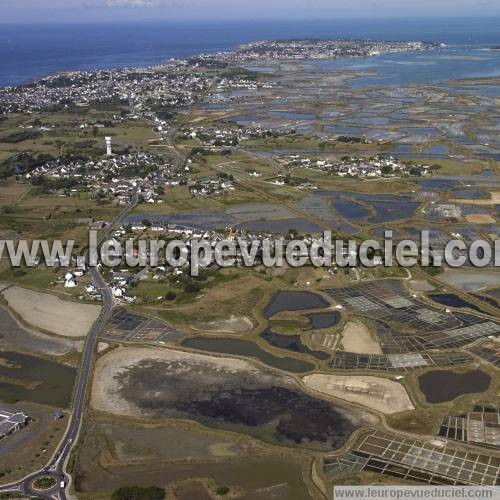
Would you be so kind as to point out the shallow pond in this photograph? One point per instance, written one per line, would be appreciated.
(437, 150)
(469, 193)
(350, 209)
(387, 211)
(294, 301)
(489, 300)
(282, 226)
(323, 320)
(344, 129)
(291, 343)
(289, 115)
(440, 386)
(249, 349)
(452, 300)
(39, 380)
(437, 183)
(344, 227)
(402, 148)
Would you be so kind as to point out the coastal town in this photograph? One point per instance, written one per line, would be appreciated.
(313, 49)
(145, 90)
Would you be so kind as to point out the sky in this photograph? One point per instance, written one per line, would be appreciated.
(203, 10)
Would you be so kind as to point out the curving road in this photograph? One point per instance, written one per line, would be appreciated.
(55, 467)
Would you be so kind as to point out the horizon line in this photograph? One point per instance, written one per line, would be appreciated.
(247, 19)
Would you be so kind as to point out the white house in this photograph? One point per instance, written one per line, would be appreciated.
(71, 283)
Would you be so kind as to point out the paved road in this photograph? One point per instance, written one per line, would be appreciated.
(55, 468)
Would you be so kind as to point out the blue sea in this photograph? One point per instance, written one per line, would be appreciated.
(31, 51)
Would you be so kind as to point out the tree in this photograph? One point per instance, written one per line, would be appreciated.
(192, 287)
(170, 295)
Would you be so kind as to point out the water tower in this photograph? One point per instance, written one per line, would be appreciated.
(131, 103)
(109, 151)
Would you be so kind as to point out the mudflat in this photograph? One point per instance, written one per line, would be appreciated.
(50, 313)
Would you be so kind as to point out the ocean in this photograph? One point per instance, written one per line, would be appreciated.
(31, 51)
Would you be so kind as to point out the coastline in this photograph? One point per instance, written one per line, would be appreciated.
(32, 51)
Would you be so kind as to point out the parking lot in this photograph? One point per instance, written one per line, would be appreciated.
(126, 327)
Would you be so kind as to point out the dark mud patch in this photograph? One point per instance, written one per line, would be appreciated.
(253, 401)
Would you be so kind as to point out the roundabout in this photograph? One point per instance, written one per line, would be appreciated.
(44, 483)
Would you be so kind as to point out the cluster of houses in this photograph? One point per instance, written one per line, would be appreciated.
(233, 89)
(228, 84)
(378, 166)
(214, 136)
(176, 84)
(226, 136)
(119, 282)
(214, 185)
(167, 89)
(122, 280)
(116, 177)
(313, 49)
(121, 177)
(297, 183)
